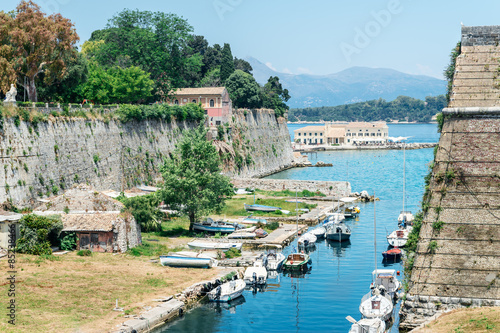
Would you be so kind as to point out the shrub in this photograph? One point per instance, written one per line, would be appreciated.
(37, 234)
(69, 241)
(84, 253)
(438, 225)
(233, 253)
(433, 246)
(273, 225)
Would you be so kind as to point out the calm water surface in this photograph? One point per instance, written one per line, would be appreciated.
(320, 300)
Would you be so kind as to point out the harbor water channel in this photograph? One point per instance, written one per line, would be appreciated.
(319, 300)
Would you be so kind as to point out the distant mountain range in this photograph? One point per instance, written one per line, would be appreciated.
(355, 84)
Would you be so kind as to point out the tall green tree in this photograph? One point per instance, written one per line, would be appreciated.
(243, 65)
(244, 90)
(154, 41)
(34, 44)
(275, 97)
(193, 183)
(227, 63)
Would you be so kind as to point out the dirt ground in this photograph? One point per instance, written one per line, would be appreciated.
(485, 319)
(78, 294)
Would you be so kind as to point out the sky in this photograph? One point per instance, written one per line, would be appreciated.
(309, 37)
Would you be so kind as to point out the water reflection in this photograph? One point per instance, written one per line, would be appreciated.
(339, 249)
(299, 273)
(231, 306)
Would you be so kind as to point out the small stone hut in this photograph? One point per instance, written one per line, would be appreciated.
(97, 219)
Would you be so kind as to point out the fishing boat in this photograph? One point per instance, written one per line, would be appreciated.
(260, 208)
(338, 232)
(273, 260)
(406, 217)
(334, 217)
(307, 240)
(253, 220)
(296, 261)
(188, 259)
(398, 238)
(242, 235)
(350, 211)
(210, 225)
(214, 245)
(388, 280)
(227, 291)
(366, 325)
(319, 232)
(393, 254)
(376, 304)
(255, 275)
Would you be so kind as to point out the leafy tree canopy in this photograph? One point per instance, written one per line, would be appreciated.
(275, 97)
(33, 43)
(243, 90)
(37, 234)
(227, 63)
(193, 183)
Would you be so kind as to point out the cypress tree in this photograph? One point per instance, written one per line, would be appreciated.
(227, 63)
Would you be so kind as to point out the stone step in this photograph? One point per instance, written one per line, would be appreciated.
(461, 103)
(453, 290)
(454, 230)
(476, 83)
(459, 247)
(474, 75)
(472, 89)
(477, 67)
(493, 96)
(466, 262)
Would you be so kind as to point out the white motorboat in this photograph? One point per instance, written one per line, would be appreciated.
(188, 259)
(338, 232)
(335, 217)
(242, 235)
(374, 325)
(307, 240)
(319, 232)
(388, 279)
(209, 225)
(406, 217)
(214, 245)
(255, 275)
(227, 291)
(273, 260)
(398, 237)
(376, 304)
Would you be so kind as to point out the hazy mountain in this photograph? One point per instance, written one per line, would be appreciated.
(355, 84)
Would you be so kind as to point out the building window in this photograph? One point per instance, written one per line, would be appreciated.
(320, 140)
(315, 134)
(176, 102)
(348, 140)
(310, 134)
(379, 134)
(367, 134)
(217, 122)
(194, 101)
(373, 134)
(94, 239)
(212, 103)
(321, 134)
(299, 134)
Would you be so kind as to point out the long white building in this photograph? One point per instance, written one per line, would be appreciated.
(343, 133)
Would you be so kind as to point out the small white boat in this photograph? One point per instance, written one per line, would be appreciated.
(242, 235)
(188, 259)
(214, 245)
(374, 325)
(209, 225)
(388, 279)
(398, 238)
(227, 291)
(338, 232)
(406, 217)
(273, 260)
(319, 232)
(255, 275)
(335, 217)
(376, 304)
(306, 240)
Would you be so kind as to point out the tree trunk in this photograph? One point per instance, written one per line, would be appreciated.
(191, 221)
(31, 90)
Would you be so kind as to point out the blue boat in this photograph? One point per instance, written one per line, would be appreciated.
(261, 208)
(214, 226)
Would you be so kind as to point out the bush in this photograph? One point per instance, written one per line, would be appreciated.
(273, 225)
(84, 253)
(37, 234)
(68, 241)
(145, 211)
(233, 253)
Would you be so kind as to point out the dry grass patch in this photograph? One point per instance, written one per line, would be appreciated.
(486, 319)
(79, 292)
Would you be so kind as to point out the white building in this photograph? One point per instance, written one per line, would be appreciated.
(343, 133)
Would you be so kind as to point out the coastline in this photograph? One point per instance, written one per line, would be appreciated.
(389, 123)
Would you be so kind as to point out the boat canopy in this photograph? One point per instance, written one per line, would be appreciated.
(348, 199)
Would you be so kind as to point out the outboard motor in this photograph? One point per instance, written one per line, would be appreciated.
(254, 276)
(218, 292)
(339, 230)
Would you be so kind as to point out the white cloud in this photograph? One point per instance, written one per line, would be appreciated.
(287, 71)
(302, 70)
(268, 64)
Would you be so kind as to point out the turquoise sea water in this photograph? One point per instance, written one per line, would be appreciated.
(320, 300)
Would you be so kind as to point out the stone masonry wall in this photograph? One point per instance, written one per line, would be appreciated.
(326, 187)
(44, 160)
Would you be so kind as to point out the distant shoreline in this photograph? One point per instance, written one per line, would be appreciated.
(389, 123)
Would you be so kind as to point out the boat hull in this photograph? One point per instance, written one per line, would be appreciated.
(180, 261)
(339, 237)
(296, 262)
(214, 246)
(260, 208)
(207, 228)
(228, 291)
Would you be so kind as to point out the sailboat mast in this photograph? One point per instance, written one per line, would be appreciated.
(297, 213)
(375, 230)
(404, 175)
